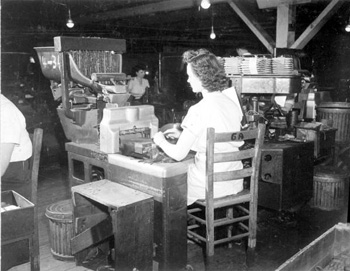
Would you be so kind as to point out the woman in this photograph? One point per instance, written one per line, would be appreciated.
(207, 76)
(138, 85)
(16, 149)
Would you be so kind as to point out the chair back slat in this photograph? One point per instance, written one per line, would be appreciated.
(233, 175)
(236, 136)
(233, 156)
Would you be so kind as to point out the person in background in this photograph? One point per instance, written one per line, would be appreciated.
(138, 85)
(16, 149)
(207, 76)
(243, 51)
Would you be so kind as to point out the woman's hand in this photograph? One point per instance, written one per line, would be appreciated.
(159, 138)
(172, 133)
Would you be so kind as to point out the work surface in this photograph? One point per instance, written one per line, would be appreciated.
(166, 182)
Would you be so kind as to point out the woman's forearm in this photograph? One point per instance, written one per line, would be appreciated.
(179, 150)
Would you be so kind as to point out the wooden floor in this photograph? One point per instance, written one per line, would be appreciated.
(280, 236)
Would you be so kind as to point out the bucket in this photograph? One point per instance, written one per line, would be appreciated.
(339, 114)
(330, 188)
(60, 216)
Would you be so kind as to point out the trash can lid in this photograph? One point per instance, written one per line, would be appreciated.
(61, 210)
(334, 105)
(330, 171)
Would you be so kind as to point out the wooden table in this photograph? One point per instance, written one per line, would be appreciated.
(166, 182)
(114, 210)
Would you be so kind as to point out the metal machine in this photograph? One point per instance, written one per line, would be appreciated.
(265, 90)
(86, 74)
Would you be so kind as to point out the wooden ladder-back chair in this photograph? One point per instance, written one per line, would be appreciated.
(205, 215)
(16, 236)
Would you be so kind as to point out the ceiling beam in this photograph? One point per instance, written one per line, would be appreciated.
(317, 24)
(275, 3)
(285, 32)
(163, 6)
(254, 26)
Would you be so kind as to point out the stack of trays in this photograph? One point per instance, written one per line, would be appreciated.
(232, 65)
(249, 65)
(258, 65)
(282, 65)
(264, 65)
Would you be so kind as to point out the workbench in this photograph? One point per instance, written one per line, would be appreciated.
(166, 182)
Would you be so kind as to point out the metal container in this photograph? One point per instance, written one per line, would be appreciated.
(49, 63)
(339, 114)
(266, 84)
(330, 188)
(60, 216)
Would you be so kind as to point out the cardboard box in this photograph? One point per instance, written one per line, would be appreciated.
(19, 222)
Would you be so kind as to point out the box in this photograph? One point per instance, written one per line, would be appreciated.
(139, 148)
(281, 187)
(18, 222)
(332, 247)
(324, 139)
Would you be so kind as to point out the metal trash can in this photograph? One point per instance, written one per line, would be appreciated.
(339, 114)
(330, 188)
(60, 216)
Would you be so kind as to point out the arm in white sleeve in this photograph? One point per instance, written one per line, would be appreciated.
(183, 146)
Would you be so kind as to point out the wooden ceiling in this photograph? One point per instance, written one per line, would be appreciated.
(151, 25)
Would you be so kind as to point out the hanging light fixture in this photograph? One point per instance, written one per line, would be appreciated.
(212, 34)
(205, 4)
(347, 27)
(70, 23)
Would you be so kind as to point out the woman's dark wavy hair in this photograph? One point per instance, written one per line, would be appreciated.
(207, 67)
(138, 68)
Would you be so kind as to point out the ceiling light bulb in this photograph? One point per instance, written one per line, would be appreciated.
(205, 4)
(347, 28)
(70, 23)
(212, 34)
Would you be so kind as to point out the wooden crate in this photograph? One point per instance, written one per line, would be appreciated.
(16, 223)
(333, 244)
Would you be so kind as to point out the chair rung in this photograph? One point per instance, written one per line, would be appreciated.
(229, 239)
(194, 210)
(195, 235)
(241, 197)
(240, 207)
(200, 220)
(227, 221)
(191, 227)
(245, 227)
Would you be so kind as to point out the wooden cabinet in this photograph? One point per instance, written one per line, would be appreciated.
(286, 174)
